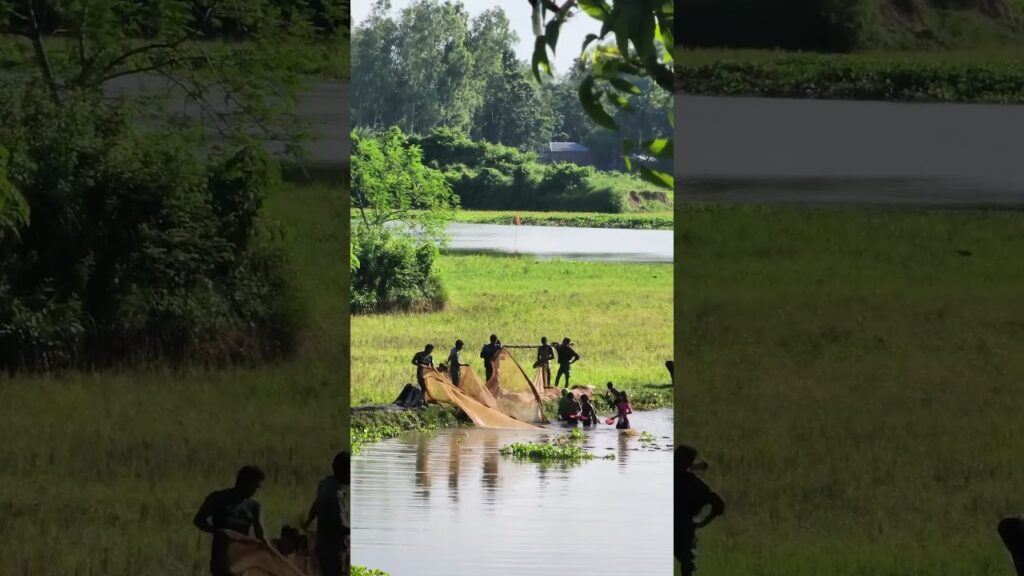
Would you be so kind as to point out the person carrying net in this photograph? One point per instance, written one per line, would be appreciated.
(487, 352)
(232, 510)
(423, 359)
(455, 362)
(330, 510)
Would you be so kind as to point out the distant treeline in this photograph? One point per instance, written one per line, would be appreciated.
(214, 20)
(432, 66)
(847, 25)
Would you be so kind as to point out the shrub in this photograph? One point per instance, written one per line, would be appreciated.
(135, 248)
(395, 273)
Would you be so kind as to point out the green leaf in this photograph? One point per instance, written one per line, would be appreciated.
(540, 58)
(596, 9)
(660, 148)
(592, 105)
(657, 177)
(624, 85)
(551, 33)
(586, 42)
(628, 146)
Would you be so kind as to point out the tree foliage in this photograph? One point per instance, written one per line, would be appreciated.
(635, 41)
(401, 208)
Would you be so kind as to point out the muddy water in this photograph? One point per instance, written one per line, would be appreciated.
(447, 504)
(601, 244)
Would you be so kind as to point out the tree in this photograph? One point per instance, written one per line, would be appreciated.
(513, 112)
(642, 33)
(390, 185)
(86, 45)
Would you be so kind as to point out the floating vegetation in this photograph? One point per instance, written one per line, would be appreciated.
(561, 448)
(646, 438)
(361, 436)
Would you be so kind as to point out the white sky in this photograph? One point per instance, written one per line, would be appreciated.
(519, 13)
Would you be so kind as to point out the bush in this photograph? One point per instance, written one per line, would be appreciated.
(395, 274)
(135, 249)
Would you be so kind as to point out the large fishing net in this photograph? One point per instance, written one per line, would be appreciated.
(249, 557)
(509, 399)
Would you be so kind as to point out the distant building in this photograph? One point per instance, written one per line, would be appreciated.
(570, 152)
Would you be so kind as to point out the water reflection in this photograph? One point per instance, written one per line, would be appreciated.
(502, 505)
(598, 244)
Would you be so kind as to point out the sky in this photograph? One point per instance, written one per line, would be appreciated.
(519, 12)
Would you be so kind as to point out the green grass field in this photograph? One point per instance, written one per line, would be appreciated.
(619, 315)
(641, 220)
(101, 473)
(856, 383)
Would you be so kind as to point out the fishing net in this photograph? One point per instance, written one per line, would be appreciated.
(508, 400)
(248, 557)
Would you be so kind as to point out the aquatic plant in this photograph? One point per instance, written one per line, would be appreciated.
(364, 571)
(361, 436)
(646, 438)
(565, 448)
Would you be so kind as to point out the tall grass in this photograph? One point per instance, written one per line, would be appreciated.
(620, 316)
(856, 380)
(100, 473)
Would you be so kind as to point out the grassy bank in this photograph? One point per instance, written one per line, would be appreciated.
(100, 473)
(620, 316)
(971, 76)
(640, 221)
(855, 380)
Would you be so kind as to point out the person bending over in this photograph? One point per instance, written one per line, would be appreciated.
(423, 359)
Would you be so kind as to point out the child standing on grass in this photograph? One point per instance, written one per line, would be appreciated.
(693, 495)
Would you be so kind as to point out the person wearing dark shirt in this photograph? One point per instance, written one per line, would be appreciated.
(330, 510)
(545, 354)
(693, 495)
(564, 404)
(566, 358)
(574, 410)
(455, 362)
(612, 396)
(670, 365)
(587, 413)
(233, 509)
(423, 359)
(487, 352)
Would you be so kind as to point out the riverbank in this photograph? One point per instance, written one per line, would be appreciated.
(618, 314)
(109, 467)
(975, 76)
(854, 378)
(636, 221)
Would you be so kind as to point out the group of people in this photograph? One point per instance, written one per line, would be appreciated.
(575, 412)
(234, 512)
(563, 353)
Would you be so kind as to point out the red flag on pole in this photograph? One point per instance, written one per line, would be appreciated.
(517, 220)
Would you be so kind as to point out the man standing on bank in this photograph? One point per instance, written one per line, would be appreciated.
(231, 509)
(455, 362)
(693, 495)
(330, 510)
(566, 358)
(487, 353)
(423, 359)
(545, 354)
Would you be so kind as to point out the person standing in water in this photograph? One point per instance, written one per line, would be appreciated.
(421, 359)
(455, 362)
(612, 396)
(487, 352)
(231, 509)
(545, 354)
(566, 358)
(1011, 532)
(624, 410)
(564, 406)
(693, 495)
(330, 510)
(587, 413)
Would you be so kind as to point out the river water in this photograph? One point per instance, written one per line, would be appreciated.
(546, 242)
(447, 503)
(764, 150)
